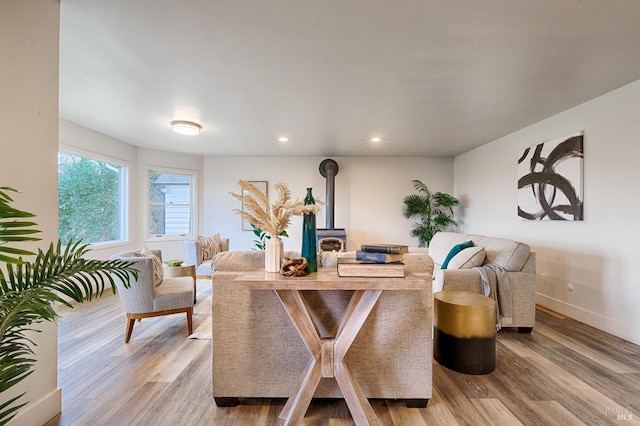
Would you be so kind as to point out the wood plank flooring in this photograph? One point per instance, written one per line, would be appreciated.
(565, 373)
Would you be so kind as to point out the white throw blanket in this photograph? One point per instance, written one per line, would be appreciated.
(495, 284)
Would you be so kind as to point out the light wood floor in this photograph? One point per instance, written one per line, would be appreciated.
(565, 373)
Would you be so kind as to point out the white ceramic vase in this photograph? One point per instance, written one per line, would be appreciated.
(273, 254)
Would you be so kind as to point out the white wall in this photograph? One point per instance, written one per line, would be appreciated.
(29, 33)
(597, 256)
(368, 195)
(369, 191)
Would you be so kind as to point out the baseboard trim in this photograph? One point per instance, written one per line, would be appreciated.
(612, 326)
(39, 412)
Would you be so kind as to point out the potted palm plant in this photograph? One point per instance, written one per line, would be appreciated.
(29, 290)
(434, 212)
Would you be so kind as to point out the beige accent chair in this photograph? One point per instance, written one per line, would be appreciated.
(193, 252)
(257, 353)
(515, 257)
(145, 299)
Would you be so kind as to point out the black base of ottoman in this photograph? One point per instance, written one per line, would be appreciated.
(469, 356)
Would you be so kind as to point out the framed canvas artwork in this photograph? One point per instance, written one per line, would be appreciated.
(550, 178)
(262, 186)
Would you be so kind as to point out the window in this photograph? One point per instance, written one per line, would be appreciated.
(91, 199)
(171, 203)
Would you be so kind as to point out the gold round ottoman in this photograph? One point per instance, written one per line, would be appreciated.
(464, 337)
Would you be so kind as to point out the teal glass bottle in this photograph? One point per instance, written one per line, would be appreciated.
(309, 248)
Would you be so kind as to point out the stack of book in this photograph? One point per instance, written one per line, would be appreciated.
(375, 260)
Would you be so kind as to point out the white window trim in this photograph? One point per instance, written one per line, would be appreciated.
(124, 187)
(194, 203)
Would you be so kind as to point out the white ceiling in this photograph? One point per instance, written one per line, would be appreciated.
(431, 77)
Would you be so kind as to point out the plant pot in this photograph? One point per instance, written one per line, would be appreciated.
(273, 254)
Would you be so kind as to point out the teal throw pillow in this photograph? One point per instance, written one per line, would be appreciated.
(455, 250)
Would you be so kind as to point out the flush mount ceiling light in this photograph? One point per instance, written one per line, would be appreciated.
(375, 139)
(283, 139)
(186, 127)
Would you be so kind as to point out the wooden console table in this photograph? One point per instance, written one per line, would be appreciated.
(327, 354)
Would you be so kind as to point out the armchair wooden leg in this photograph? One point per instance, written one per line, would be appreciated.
(190, 320)
(131, 319)
(130, 323)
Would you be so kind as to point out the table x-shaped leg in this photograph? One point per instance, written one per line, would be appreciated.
(328, 355)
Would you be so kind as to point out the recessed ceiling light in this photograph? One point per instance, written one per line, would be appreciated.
(375, 139)
(283, 139)
(186, 127)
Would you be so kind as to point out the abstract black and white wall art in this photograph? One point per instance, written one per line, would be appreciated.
(550, 180)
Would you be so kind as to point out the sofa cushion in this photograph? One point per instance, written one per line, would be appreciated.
(419, 264)
(238, 260)
(441, 244)
(455, 250)
(242, 260)
(209, 246)
(509, 254)
(467, 258)
(175, 292)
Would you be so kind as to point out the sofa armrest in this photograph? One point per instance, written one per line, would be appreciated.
(457, 280)
(419, 264)
(193, 252)
(139, 296)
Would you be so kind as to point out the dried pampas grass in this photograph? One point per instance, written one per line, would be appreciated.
(275, 218)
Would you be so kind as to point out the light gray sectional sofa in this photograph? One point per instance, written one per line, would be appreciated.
(257, 353)
(514, 257)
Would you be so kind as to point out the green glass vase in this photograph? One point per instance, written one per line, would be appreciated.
(309, 249)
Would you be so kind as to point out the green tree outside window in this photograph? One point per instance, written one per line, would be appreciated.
(89, 199)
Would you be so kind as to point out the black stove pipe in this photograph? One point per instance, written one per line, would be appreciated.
(329, 170)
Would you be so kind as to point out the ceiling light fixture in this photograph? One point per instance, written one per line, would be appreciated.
(186, 127)
(283, 139)
(375, 139)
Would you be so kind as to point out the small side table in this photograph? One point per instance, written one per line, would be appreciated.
(464, 338)
(182, 271)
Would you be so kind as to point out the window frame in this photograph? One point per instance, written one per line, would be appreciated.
(193, 231)
(125, 192)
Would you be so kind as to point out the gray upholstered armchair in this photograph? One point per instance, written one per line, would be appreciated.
(149, 298)
(194, 256)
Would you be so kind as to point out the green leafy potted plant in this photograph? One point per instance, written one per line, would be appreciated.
(263, 237)
(434, 212)
(29, 290)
